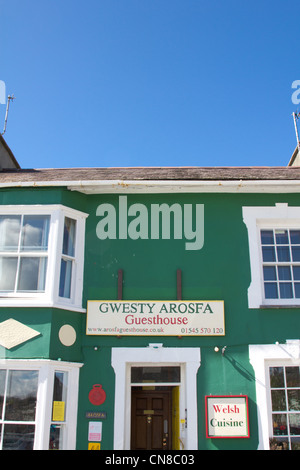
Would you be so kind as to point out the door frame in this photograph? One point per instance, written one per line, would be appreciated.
(156, 355)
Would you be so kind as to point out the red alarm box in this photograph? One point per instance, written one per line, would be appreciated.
(97, 395)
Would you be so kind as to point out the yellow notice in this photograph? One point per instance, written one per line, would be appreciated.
(94, 446)
(58, 411)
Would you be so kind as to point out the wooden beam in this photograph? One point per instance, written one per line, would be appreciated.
(120, 284)
(179, 284)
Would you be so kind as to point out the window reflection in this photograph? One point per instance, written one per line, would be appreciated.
(9, 232)
(21, 395)
(18, 399)
(19, 234)
(67, 261)
(35, 232)
(18, 437)
(56, 437)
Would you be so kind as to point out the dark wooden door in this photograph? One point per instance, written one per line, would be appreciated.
(151, 420)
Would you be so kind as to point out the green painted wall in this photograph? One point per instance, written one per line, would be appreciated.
(219, 271)
(40, 320)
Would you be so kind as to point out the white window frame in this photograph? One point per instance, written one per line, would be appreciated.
(256, 219)
(262, 356)
(43, 417)
(50, 297)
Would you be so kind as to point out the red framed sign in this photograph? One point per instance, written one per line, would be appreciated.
(227, 416)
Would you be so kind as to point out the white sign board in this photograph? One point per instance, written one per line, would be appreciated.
(155, 318)
(227, 416)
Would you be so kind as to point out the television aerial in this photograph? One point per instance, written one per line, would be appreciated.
(9, 99)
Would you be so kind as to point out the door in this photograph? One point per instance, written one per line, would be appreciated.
(151, 419)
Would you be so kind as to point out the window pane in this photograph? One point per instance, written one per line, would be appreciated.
(294, 421)
(268, 254)
(278, 400)
(283, 253)
(297, 290)
(294, 400)
(60, 386)
(276, 377)
(155, 374)
(286, 290)
(279, 424)
(69, 237)
(295, 443)
(21, 395)
(284, 273)
(35, 232)
(296, 253)
(60, 390)
(282, 237)
(65, 278)
(296, 273)
(10, 226)
(271, 291)
(295, 237)
(18, 437)
(56, 437)
(32, 276)
(292, 377)
(8, 270)
(2, 389)
(279, 444)
(269, 273)
(267, 237)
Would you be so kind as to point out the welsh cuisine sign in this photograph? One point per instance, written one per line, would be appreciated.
(227, 416)
(155, 318)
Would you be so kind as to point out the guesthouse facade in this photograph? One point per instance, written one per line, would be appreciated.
(150, 308)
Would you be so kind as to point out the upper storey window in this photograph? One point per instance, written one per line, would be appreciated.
(41, 256)
(68, 258)
(274, 248)
(281, 263)
(23, 252)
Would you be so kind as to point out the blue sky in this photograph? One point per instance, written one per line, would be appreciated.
(150, 82)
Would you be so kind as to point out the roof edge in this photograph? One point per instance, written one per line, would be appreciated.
(9, 151)
(165, 186)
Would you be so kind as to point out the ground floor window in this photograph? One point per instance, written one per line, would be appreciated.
(285, 399)
(18, 395)
(277, 380)
(37, 410)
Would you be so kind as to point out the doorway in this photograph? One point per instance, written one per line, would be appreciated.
(155, 407)
(125, 361)
(151, 419)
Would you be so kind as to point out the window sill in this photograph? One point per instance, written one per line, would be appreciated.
(38, 303)
(270, 306)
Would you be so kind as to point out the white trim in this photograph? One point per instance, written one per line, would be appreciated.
(46, 370)
(184, 186)
(50, 297)
(256, 218)
(165, 186)
(124, 358)
(261, 357)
